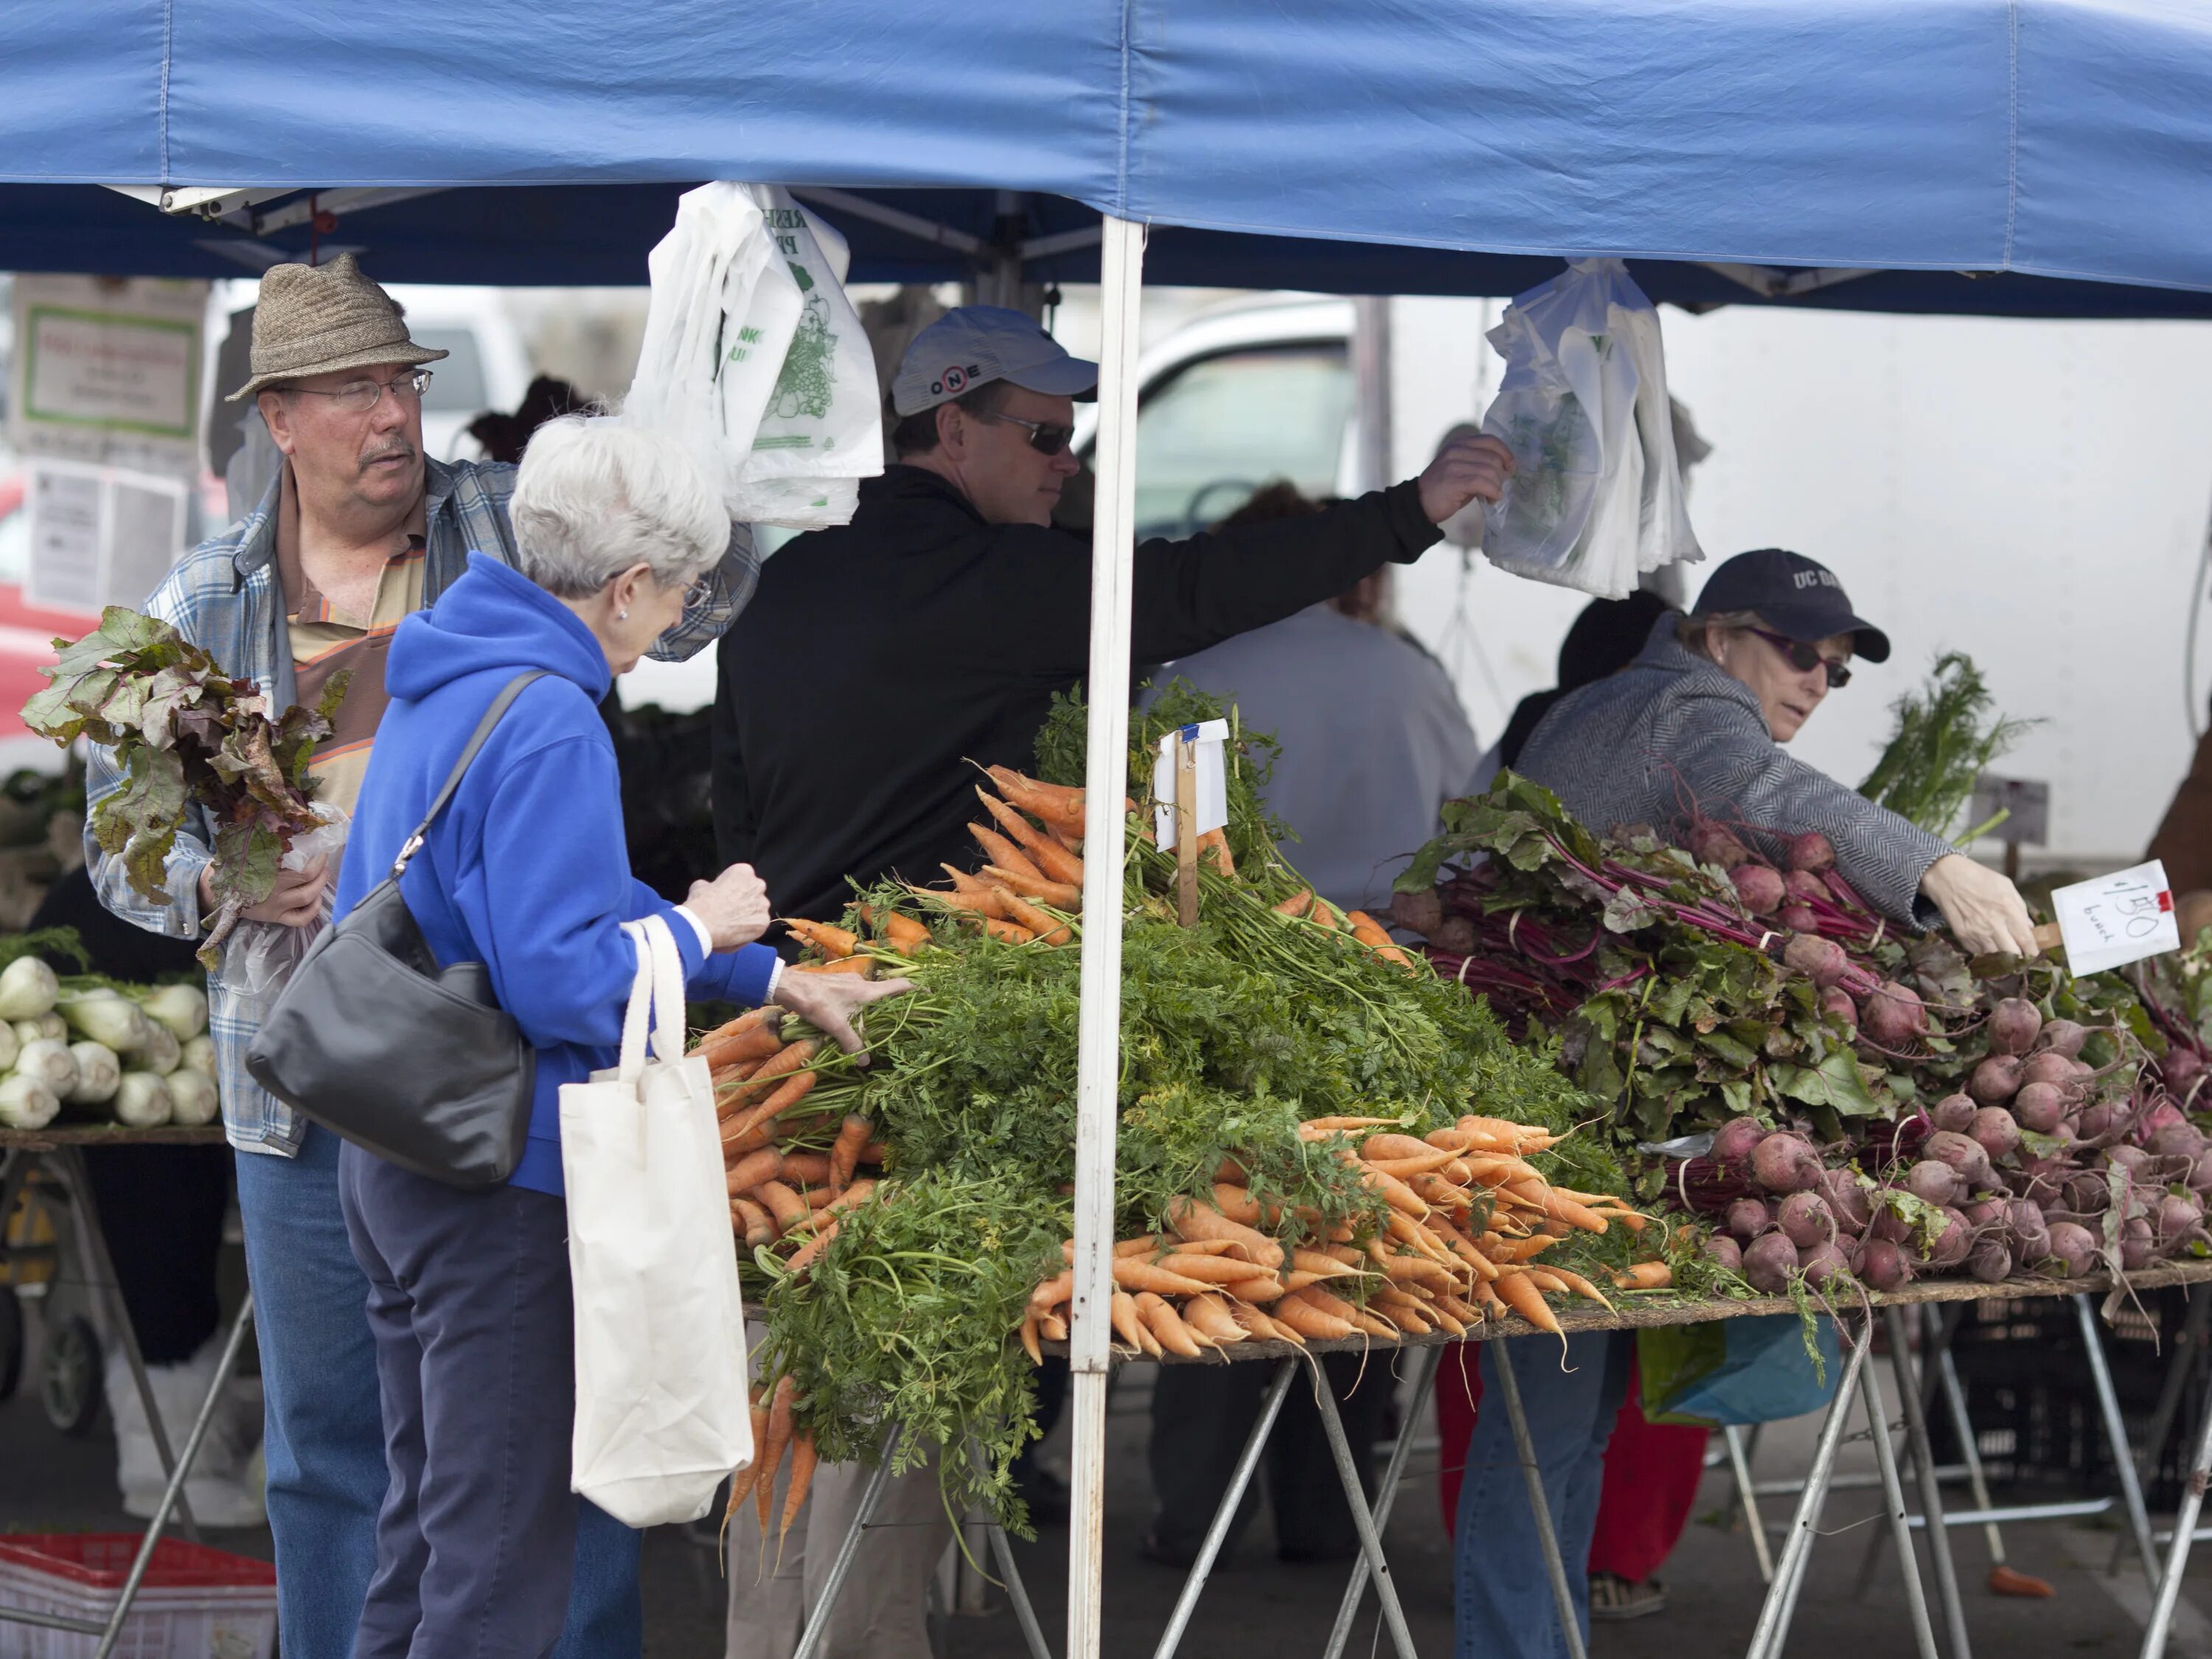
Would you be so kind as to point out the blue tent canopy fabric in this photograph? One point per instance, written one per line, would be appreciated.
(2060, 150)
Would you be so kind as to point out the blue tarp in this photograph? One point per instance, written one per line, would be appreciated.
(2045, 139)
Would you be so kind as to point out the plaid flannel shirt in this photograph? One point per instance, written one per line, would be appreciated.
(225, 597)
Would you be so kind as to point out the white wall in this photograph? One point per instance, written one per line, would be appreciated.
(2034, 492)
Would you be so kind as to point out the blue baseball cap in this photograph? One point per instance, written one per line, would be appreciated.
(1797, 597)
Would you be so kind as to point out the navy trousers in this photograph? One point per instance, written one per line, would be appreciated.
(470, 1310)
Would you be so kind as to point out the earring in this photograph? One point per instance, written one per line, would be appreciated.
(622, 616)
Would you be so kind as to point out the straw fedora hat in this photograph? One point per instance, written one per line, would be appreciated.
(314, 320)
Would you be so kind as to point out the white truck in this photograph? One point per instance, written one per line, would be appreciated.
(2032, 492)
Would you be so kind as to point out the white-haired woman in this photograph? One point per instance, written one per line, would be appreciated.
(525, 870)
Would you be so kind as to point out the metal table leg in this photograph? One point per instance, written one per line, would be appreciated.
(1225, 1514)
(1385, 1496)
(1892, 1489)
(1363, 1520)
(2184, 1534)
(174, 1498)
(1017, 1592)
(818, 1617)
(1739, 1464)
(2116, 1432)
(68, 1166)
(1773, 1612)
(1938, 1329)
(1548, 1537)
(2189, 1344)
(1931, 1493)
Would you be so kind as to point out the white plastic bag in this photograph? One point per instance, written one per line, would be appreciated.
(661, 1414)
(1595, 499)
(258, 956)
(754, 356)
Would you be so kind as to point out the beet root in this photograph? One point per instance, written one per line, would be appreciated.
(1836, 1000)
(1714, 843)
(1821, 960)
(1810, 852)
(1954, 1112)
(1758, 887)
(1847, 1199)
(2064, 1037)
(2070, 1250)
(1892, 1015)
(1806, 1220)
(1735, 1140)
(1747, 1217)
(2039, 1107)
(2014, 1024)
(1421, 913)
(1883, 1264)
(1724, 1251)
(1996, 1080)
(1996, 1132)
(1821, 1263)
(1799, 919)
(1784, 1163)
(1768, 1263)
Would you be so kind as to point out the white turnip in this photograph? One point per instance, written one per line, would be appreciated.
(2013, 1025)
(1954, 1112)
(1784, 1163)
(1810, 852)
(1892, 1015)
(1760, 888)
(1768, 1261)
(1996, 1080)
(1806, 1220)
(1735, 1142)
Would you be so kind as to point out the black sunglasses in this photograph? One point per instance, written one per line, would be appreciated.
(1804, 658)
(1044, 438)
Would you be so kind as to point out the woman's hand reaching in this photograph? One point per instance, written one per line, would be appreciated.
(733, 906)
(1983, 909)
(832, 1003)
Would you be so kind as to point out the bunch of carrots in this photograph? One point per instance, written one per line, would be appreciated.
(1468, 1218)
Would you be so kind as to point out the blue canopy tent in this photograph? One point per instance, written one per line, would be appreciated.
(2042, 157)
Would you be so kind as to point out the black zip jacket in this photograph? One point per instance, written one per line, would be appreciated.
(876, 661)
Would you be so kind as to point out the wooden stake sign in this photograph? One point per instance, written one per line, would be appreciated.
(1187, 832)
(1190, 798)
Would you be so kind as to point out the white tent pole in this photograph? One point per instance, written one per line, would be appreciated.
(1098, 1065)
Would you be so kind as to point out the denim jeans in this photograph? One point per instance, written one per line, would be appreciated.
(323, 1434)
(1502, 1592)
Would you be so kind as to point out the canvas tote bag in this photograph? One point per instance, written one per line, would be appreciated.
(661, 1414)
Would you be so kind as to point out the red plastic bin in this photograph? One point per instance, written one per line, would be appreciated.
(195, 1602)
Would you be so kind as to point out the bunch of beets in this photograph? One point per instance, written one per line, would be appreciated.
(1877, 1106)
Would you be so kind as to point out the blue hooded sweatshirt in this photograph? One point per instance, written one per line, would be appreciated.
(525, 870)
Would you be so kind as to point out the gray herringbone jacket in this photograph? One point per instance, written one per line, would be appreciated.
(1672, 729)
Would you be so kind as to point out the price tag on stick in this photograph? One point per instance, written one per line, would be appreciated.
(1190, 798)
(2114, 920)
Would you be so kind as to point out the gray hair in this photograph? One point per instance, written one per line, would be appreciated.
(1696, 632)
(594, 497)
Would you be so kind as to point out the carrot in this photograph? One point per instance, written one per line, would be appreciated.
(1449, 1139)
(1320, 1128)
(804, 1256)
(788, 1095)
(1213, 847)
(1405, 1169)
(1369, 933)
(845, 1156)
(904, 934)
(1131, 1324)
(1519, 1293)
(1558, 1204)
(863, 966)
(830, 941)
(787, 1207)
(806, 1170)
(1150, 1244)
(780, 1065)
(1131, 1274)
(1059, 804)
(742, 1481)
(1050, 929)
(767, 1014)
(1325, 1264)
(1255, 1289)
(740, 1138)
(1357, 1318)
(1191, 1220)
(1047, 856)
(1212, 1269)
(1453, 1324)
(1060, 1288)
(1645, 1276)
(1581, 1286)
(1008, 932)
(1389, 1148)
(752, 1169)
(1209, 1316)
(1002, 852)
(1052, 1328)
(1405, 1317)
(1297, 905)
(874, 1152)
(759, 1227)
(795, 1497)
(1058, 894)
(852, 1198)
(770, 1451)
(1306, 1320)
(1393, 1192)
(1415, 1270)
(756, 1043)
(1167, 1325)
(968, 894)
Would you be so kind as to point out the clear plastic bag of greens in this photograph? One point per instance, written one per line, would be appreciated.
(259, 956)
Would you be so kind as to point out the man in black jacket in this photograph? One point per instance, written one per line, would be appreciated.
(934, 628)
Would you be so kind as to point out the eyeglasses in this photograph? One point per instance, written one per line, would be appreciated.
(1044, 438)
(699, 592)
(359, 397)
(1804, 658)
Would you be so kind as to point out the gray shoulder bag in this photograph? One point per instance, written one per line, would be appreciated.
(371, 1039)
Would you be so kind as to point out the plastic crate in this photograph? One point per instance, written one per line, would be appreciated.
(194, 1602)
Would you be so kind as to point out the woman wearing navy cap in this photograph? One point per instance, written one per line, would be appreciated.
(1700, 719)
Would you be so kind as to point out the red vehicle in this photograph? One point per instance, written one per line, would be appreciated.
(28, 633)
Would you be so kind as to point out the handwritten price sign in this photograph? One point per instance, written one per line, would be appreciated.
(2117, 919)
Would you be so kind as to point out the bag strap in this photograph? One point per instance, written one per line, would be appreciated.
(631, 1066)
(668, 1030)
(500, 705)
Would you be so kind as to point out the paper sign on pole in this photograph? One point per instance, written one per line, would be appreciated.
(1209, 738)
(99, 536)
(2117, 919)
(109, 373)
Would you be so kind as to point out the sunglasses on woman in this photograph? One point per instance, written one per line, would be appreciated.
(1044, 438)
(1804, 658)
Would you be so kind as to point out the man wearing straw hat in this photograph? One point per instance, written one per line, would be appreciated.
(359, 530)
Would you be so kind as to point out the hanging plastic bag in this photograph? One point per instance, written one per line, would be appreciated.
(661, 1331)
(1596, 500)
(753, 354)
(1737, 1370)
